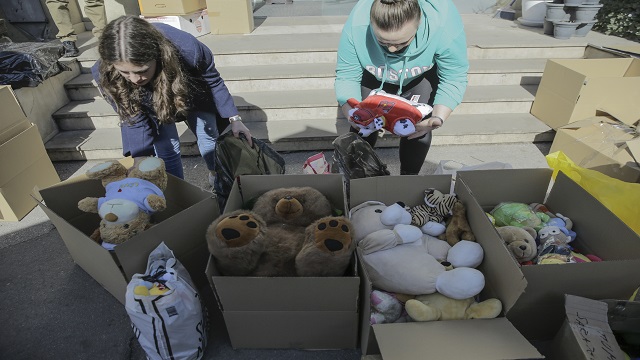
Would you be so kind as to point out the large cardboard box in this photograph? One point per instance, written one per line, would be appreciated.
(574, 89)
(170, 7)
(460, 339)
(288, 312)
(533, 296)
(585, 333)
(24, 163)
(231, 16)
(196, 23)
(182, 227)
(601, 143)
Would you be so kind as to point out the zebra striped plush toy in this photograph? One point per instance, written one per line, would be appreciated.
(430, 216)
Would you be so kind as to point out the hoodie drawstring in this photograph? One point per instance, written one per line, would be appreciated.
(403, 71)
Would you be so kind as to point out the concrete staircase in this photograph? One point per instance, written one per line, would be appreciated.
(281, 77)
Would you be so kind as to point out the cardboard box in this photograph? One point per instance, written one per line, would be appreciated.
(533, 296)
(459, 339)
(13, 120)
(288, 312)
(585, 333)
(182, 227)
(170, 7)
(573, 89)
(601, 143)
(26, 167)
(196, 23)
(231, 16)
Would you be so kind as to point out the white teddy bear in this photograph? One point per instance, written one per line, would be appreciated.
(399, 258)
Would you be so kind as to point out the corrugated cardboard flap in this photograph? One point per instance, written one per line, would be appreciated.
(455, 339)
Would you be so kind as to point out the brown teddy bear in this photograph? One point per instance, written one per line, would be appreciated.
(131, 196)
(521, 241)
(289, 232)
(458, 227)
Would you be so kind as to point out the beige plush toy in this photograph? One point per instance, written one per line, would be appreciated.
(521, 241)
(458, 227)
(433, 307)
(289, 232)
(131, 197)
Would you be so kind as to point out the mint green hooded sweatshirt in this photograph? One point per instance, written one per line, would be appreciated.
(440, 38)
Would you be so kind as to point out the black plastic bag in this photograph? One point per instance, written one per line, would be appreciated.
(29, 63)
(356, 158)
(234, 157)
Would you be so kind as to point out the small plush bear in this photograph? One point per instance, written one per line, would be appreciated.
(521, 242)
(458, 227)
(131, 197)
(385, 111)
(289, 232)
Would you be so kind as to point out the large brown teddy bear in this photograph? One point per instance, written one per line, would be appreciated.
(289, 232)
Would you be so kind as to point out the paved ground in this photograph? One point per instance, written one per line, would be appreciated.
(51, 308)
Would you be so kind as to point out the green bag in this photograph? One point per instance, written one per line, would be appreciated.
(234, 157)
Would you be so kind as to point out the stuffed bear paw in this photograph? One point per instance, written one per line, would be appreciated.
(238, 229)
(327, 240)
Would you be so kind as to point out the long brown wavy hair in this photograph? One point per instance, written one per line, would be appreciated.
(134, 40)
(390, 15)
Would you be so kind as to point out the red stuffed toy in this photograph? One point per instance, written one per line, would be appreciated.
(385, 111)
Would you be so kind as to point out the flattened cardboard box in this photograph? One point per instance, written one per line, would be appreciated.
(533, 296)
(574, 89)
(600, 143)
(288, 312)
(585, 333)
(473, 339)
(182, 226)
(25, 168)
(170, 7)
(231, 16)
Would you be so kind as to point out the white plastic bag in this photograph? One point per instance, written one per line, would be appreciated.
(165, 309)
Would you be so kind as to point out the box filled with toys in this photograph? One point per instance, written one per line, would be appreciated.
(421, 259)
(282, 264)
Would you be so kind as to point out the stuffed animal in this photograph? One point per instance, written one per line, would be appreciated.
(430, 216)
(289, 232)
(433, 307)
(131, 197)
(521, 242)
(410, 262)
(518, 214)
(564, 223)
(388, 308)
(554, 246)
(458, 227)
(385, 111)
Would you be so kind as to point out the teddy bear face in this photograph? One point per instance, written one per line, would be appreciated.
(122, 228)
(296, 206)
(520, 241)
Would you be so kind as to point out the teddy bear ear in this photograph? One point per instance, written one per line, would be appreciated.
(531, 231)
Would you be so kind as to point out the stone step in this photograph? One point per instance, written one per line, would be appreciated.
(313, 134)
(274, 106)
(280, 77)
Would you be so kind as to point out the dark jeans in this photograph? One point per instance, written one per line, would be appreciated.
(413, 152)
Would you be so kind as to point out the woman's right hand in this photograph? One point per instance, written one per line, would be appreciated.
(238, 127)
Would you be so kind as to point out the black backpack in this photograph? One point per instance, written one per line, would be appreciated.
(234, 157)
(356, 158)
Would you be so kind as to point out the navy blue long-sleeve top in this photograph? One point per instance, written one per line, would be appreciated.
(211, 93)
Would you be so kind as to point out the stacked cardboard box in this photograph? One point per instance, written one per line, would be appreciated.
(187, 15)
(25, 163)
(181, 227)
(288, 312)
(231, 16)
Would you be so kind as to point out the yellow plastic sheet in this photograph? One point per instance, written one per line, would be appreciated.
(622, 198)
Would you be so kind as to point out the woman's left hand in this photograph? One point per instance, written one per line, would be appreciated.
(424, 127)
(238, 127)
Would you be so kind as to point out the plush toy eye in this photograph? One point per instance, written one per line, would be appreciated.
(126, 226)
(378, 211)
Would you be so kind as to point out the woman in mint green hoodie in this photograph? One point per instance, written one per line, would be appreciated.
(408, 48)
